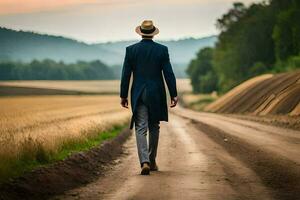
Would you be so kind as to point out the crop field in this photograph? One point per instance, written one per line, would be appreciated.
(34, 126)
(39, 118)
(103, 86)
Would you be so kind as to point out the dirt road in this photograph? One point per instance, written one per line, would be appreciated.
(207, 156)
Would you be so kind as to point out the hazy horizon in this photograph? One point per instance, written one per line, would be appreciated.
(110, 41)
(94, 21)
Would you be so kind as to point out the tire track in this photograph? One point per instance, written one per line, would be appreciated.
(278, 173)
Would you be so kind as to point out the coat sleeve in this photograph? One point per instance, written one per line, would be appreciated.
(126, 74)
(168, 74)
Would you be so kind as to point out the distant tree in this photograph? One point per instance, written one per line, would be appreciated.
(286, 32)
(261, 38)
(242, 43)
(232, 16)
(6, 70)
(51, 70)
(201, 73)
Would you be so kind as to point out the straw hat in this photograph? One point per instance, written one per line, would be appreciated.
(146, 29)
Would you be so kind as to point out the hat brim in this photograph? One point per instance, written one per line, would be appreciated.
(138, 31)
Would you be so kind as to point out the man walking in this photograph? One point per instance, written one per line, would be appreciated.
(147, 60)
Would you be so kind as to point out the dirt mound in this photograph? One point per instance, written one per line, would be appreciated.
(263, 95)
(76, 170)
(225, 99)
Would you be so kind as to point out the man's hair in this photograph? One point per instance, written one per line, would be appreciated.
(147, 37)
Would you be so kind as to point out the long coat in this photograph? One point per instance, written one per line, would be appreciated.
(147, 61)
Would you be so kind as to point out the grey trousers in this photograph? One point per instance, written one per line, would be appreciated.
(146, 151)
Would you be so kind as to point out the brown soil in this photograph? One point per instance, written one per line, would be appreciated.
(280, 174)
(296, 111)
(285, 121)
(77, 169)
(21, 91)
(238, 90)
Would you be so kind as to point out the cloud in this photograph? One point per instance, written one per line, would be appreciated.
(9, 7)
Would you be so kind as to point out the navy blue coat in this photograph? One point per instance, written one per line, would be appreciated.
(148, 61)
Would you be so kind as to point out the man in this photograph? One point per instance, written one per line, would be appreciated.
(147, 60)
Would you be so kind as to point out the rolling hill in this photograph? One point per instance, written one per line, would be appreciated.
(181, 51)
(26, 46)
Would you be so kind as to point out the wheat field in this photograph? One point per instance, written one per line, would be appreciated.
(34, 123)
(94, 86)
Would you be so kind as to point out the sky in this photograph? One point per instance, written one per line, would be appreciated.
(94, 21)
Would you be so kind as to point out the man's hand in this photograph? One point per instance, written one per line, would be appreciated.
(124, 102)
(174, 101)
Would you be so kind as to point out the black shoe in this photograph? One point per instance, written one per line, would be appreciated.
(145, 169)
(153, 166)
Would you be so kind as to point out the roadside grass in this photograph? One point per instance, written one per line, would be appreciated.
(197, 101)
(201, 103)
(34, 154)
(70, 146)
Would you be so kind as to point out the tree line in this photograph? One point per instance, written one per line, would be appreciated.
(261, 38)
(51, 70)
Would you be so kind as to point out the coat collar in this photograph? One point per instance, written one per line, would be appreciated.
(146, 40)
